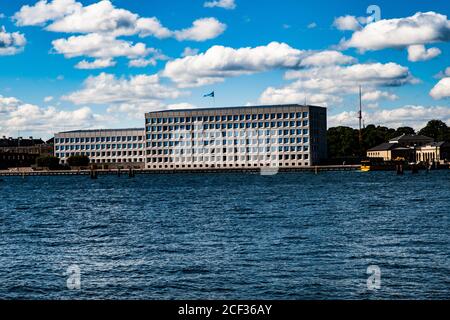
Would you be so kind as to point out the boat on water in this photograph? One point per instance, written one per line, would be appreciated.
(377, 165)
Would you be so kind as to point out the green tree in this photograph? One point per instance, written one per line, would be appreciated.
(78, 161)
(50, 162)
(437, 130)
(342, 142)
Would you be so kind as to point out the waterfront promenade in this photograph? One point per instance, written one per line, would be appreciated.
(168, 171)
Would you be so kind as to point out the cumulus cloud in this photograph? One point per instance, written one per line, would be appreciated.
(48, 99)
(410, 115)
(189, 52)
(107, 89)
(103, 17)
(18, 115)
(44, 11)
(294, 93)
(220, 62)
(421, 28)
(325, 58)
(418, 52)
(8, 104)
(201, 30)
(96, 64)
(152, 27)
(378, 95)
(347, 22)
(225, 4)
(11, 43)
(441, 89)
(312, 25)
(328, 85)
(100, 46)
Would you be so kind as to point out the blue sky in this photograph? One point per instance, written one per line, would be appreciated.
(248, 52)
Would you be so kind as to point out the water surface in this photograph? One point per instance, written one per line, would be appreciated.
(226, 236)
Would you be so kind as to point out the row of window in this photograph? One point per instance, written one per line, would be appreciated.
(237, 125)
(100, 146)
(236, 117)
(249, 142)
(99, 139)
(223, 134)
(125, 160)
(99, 154)
(274, 158)
(229, 150)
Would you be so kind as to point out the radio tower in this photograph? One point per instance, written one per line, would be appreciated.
(360, 118)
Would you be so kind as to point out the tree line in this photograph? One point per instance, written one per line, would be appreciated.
(343, 142)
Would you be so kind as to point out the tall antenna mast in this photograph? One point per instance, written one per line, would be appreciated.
(360, 117)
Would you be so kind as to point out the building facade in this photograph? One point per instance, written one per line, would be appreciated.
(112, 147)
(436, 152)
(20, 152)
(236, 137)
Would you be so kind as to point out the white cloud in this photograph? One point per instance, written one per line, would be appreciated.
(44, 11)
(293, 93)
(107, 89)
(312, 25)
(96, 64)
(421, 28)
(180, 106)
(8, 104)
(2, 16)
(225, 4)
(104, 18)
(387, 74)
(189, 52)
(348, 22)
(220, 62)
(18, 115)
(201, 30)
(97, 45)
(418, 52)
(325, 58)
(48, 99)
(152, 27)
(441, 89)
(11, 43)
(378, 95)
(328, 85)
(409, 115)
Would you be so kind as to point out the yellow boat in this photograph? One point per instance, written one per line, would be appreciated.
(365, 166)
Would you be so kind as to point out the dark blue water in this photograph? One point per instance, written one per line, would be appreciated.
(236, 236)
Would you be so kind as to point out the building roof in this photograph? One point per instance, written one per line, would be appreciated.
(410, 137)
(15, 142)
(384, 147)
(103, 130)
(236, 107)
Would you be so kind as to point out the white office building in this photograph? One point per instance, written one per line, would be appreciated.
(288, 136)
(109, 148)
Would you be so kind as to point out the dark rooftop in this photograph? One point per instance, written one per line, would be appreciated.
(102, 130)
(235, 107)
(15, 142)
(384, 146)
